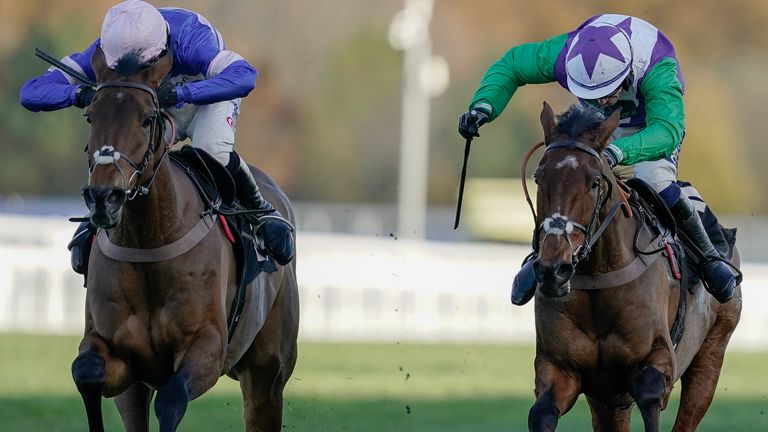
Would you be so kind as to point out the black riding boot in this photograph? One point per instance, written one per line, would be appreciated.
(720, 280)
(80, 246)
(275, 231)
(524, 284)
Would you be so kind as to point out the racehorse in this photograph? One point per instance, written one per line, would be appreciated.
(603, 321)
(160, 325)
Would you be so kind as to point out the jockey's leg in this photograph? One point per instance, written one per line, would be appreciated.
(720, 280)
(524, 284)
(212, 129)
(80, 247)
(662, 176)
(276, 232)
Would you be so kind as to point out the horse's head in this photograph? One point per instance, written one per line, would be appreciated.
(571, 191)
(126, 129)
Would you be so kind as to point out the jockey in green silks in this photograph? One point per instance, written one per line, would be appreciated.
(611, 61)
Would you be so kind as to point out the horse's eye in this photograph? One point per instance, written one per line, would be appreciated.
(147, 122)
(596, 183)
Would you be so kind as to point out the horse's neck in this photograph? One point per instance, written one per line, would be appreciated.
(158, 218)
(615, 247)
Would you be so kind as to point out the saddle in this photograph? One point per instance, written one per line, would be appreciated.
(683, 260)
(216, 188)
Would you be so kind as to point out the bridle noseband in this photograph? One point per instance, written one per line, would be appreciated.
(558, 224)
(108, 155)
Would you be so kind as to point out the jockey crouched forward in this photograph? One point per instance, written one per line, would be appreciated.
(611, 61)
(202, 94)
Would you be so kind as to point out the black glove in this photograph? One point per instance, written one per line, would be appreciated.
(84, 95)
(166, 95)
(470, 122)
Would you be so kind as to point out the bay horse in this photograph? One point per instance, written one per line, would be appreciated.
(160, 325)
(602, 325)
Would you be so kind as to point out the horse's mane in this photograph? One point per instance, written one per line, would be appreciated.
(579, 119)
(129, 64)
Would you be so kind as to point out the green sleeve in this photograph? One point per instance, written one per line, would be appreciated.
(664, 116)
(531, 63)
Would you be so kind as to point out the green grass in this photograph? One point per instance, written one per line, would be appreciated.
(362, 387)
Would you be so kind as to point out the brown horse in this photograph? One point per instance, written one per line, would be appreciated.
(609, 337)
(161, 325)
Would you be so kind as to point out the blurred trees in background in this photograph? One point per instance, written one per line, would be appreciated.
(324, 117)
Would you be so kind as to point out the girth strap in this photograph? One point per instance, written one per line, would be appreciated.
(162, 253)
(622, 276)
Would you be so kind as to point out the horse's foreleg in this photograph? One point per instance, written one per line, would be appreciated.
(198, 370)
(96, 372)
(700, 379)
(266, 366)
(556, 392)
(133, 405)
(607, 419)
(651, 387)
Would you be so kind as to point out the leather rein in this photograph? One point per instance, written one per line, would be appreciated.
(592, 231)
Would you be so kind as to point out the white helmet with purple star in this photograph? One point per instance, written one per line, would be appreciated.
(598, 61)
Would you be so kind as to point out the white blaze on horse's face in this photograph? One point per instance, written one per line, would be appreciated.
(568, 161)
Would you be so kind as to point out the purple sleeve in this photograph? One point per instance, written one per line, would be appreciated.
(52, 90)
(235, 81)
(197, 46)
(48, 92)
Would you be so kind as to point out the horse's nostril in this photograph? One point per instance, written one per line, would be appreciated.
(88, 197)
(565, 271)
(116, 198)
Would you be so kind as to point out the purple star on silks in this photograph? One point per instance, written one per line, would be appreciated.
(593, 41)
(626, 25)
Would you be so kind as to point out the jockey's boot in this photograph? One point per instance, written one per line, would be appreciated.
(80, 247)
(276, 232)
(524, 284)
(720, 280)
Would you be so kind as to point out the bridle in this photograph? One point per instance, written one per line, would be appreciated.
(557, 224)
(107, 155)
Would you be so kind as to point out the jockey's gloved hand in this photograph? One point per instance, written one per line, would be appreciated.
(84, 95)
(470, 122)
(613, 155)
(166, 95)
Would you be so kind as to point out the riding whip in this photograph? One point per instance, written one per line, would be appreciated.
(461, 182)
(64, 68)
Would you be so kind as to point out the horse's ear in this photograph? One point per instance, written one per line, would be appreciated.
(607, 127)
(547, 122)
(99, 65)
(160, 69)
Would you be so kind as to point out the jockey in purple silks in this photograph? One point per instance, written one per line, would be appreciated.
(202, 93)
(611, 61)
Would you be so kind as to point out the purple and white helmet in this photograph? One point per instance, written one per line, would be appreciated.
(133, 26)
(598, 61)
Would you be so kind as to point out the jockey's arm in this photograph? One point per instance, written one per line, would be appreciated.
(55, 90)
(236, 80)
(227, 75)
(530, 63)
(664, 117)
